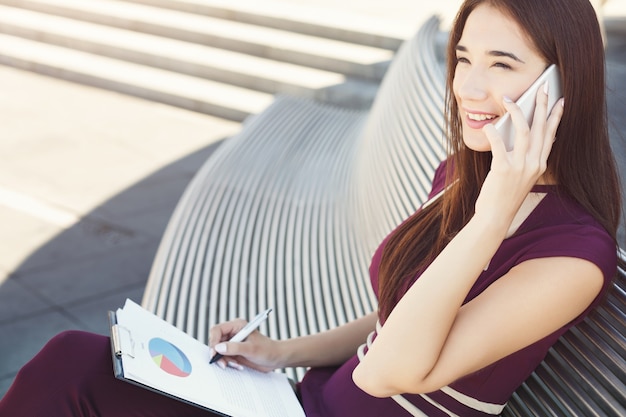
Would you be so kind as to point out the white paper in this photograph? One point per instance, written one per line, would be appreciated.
(246, 393)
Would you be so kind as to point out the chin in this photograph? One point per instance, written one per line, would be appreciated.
(476, 141)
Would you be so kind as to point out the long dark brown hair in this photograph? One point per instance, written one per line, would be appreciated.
(567, 33)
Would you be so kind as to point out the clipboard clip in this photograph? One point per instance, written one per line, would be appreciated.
(123, 343)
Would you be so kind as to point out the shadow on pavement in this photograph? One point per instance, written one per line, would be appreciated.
(91, 267)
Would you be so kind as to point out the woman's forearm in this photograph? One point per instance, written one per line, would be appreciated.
(419, 325)
(329, 348)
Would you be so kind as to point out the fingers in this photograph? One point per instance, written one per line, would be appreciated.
(513, 173)
(535, 141)
(552, 126)
(220, 333)
(521, 126)
(498, 149)
(225, 361)
(538, 129)
(229, 350)
(255, 352)
(225, 331)
(522, 131)
(235, 365)
(544, 132)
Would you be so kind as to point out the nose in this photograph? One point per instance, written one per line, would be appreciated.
(471, 85)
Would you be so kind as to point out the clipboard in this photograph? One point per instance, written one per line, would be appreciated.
(178, 367)
(122, 344)
(116, 351)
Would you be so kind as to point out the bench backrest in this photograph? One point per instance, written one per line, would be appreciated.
(288, 213)
(402, 142)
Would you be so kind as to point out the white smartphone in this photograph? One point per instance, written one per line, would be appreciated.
(527, 103)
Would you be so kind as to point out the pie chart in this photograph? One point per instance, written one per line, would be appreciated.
(169, 358)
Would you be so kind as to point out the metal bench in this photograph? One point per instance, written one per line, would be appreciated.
(288, 213)
(584, 374)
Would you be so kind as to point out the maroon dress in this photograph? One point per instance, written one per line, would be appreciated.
(73, 376)
(557, 227)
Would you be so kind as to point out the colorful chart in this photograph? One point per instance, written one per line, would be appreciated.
(169, 358)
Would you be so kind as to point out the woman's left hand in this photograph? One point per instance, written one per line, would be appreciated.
(513, 173)
(257, 351)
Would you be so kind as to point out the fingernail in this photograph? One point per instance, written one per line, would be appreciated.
(563, 102)
(221, 364)
(507, 99)
(221, 348)
(546, 87)
(211, 352)
(235, 365)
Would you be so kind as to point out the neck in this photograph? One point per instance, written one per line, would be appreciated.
(547, 179)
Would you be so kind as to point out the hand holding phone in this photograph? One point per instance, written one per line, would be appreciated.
(527, 102)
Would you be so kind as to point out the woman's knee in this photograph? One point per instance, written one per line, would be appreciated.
(69, 339)
(65, 351)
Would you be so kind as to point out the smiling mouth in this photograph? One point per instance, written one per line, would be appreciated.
(481, 117)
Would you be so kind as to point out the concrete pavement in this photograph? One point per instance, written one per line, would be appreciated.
(88, 179)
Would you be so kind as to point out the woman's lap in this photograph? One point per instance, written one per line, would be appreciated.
(73, 376)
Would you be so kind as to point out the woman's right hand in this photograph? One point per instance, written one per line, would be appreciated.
(513, 173)
(257, 351)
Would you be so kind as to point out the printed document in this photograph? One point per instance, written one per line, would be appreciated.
(152, 353)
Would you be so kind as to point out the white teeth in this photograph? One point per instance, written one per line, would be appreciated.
(480, 117)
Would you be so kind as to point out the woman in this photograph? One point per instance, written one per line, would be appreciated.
(475, 287)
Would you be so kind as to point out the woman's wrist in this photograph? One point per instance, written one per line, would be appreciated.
(299, 351)
(328, 348)
(290, 353)
(494, 225)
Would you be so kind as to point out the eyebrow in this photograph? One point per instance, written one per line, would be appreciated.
(495, 53)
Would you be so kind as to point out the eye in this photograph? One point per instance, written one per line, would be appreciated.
(462, 60)
(502, 65)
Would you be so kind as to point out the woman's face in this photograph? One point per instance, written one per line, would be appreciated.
(494, 59)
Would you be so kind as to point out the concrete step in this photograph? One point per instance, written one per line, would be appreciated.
(192, 93)
(188, 58)
(330, 55)
(308, 19)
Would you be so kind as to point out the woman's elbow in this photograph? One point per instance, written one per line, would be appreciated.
(380, 383)
(372, 382)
